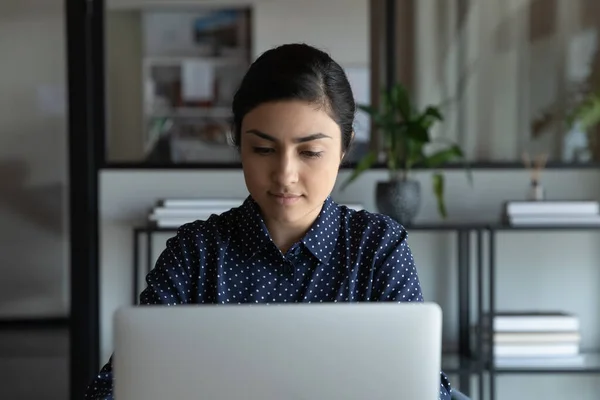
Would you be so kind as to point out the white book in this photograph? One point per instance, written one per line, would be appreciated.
(576, 207)
(155, 217)
(201, 203)
(536, 337)
(527, 350)
(185, 212)
(533, 321)
(550, 362)
(175, 222)
(524, 220)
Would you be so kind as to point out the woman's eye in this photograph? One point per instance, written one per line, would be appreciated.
(263, 150)
(312, 154)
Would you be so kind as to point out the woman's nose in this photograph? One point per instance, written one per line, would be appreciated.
(285, 170)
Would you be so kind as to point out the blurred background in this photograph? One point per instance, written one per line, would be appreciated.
(511, 77)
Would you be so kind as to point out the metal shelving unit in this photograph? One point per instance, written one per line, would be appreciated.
(592, 364)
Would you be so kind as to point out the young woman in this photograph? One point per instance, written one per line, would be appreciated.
(289, 241)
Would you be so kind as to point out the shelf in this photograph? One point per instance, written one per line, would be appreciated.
(456, 364)
(545, 227)
(498, 226)
(347, 166)
(446, 227)
(591, 365)
(441, 227)
(425, 227)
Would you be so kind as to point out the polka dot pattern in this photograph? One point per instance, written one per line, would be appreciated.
(346, 256)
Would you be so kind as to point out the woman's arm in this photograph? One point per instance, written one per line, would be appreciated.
(395, 279)
(172, 281)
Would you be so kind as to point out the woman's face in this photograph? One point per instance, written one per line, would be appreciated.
(291, 152)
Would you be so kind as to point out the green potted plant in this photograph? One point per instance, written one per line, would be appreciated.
(406, 141)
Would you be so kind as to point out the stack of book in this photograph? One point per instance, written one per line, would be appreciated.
(550, 212)
(172, 213)
(535, 339)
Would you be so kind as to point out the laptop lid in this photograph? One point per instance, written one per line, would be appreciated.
(279, 352)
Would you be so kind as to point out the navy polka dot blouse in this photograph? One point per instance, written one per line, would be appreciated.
(347, 256)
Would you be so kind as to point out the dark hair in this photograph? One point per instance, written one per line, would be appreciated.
(296, 72)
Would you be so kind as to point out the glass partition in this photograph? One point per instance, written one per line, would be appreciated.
(171, 72)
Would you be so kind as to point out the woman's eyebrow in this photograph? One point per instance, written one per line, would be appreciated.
(304, 139)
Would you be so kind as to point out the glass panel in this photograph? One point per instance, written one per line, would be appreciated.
(34, 247)
(509, 74)
(189, 64)
(171, 72)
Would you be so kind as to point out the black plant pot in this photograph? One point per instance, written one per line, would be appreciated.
(400, 199)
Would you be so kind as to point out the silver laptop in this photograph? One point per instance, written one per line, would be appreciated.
(345, 351)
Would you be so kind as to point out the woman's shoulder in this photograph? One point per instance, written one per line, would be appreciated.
(214, 229)
(372, 224)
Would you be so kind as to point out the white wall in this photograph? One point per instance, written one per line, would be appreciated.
(337, 26)
(531, 271)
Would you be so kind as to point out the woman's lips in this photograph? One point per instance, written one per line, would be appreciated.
(286, 199)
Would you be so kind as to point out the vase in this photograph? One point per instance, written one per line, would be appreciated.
(399, 199)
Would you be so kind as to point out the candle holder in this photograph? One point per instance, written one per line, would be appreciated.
(536, 190)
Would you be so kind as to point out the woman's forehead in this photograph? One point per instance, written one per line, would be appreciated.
(290, 119)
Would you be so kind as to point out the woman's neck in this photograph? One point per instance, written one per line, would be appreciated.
(285, 234)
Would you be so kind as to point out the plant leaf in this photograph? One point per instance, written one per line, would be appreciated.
(465, 163)
(469, 171)
(400, 101)
(378, 118)
(365, 163)
(589, 115)
(414, 153)
(372, 111)
(429, 116)
(443, 156)
(417, 132)
(438, 190)
(433, 112)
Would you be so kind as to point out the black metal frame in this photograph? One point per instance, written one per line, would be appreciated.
(86, 119)
(46, 323)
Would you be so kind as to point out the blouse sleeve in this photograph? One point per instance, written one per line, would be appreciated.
(396, 279)
(171, 282)
(395, 276)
